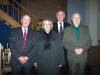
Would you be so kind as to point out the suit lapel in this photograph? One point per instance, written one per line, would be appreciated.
(20, 34)
(28, 34)
(73, 33)
(82, 34)
(64, 25)
(28, 37)
(56, 27)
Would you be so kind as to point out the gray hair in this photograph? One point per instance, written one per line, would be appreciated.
(74, 14)
(60, 11)
(49, 20)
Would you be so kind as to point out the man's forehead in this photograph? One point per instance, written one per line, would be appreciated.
(76, 15)
(26, 16)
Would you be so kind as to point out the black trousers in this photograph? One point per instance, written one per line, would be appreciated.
(21, 69)
(64, 70)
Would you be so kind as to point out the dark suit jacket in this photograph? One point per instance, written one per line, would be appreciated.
(55, 28)
(16, 43)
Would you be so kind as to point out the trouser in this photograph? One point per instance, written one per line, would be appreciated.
(21, 70)
(76, 68)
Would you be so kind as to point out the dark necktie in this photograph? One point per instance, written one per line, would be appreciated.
(25, 38)
(61, 30)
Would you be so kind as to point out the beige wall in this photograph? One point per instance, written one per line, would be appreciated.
(45, 8)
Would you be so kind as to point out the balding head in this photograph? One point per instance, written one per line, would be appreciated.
(76, 18)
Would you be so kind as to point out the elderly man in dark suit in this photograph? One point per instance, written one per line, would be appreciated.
(59, 27)
(22, 43)
(77, 41)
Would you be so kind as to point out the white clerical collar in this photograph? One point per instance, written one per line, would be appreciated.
(76, 25)
(47, 32)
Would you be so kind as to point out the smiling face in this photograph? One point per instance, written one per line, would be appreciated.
(76, 19)
(25, 21)
(60, 16)
(47, 25)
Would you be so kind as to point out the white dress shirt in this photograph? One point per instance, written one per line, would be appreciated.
(62, 23)
(23, 30)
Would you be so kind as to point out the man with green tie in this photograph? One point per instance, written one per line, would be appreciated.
(77, 41)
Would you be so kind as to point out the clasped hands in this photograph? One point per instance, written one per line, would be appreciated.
(78, 51)
(23, 59)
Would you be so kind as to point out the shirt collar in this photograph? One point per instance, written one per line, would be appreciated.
(23, 28)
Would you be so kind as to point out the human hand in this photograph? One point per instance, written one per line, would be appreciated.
(60, 65)
(25, 59)
(81, 50)
(21, 59)
(78, 51)
(35, 64)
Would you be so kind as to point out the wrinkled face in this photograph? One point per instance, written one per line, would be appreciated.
(47, 26)
(76, 19)
(26, 20)
(60, 16)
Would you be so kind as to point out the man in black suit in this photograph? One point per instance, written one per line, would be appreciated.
(22, 43)
(59, 27)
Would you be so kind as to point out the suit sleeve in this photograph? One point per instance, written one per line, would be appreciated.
(61, 52)
(86, 45)
(12, 46)
(32, 55)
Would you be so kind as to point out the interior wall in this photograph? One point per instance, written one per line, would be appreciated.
(45, 8)
(98, 19)
(77, 6)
